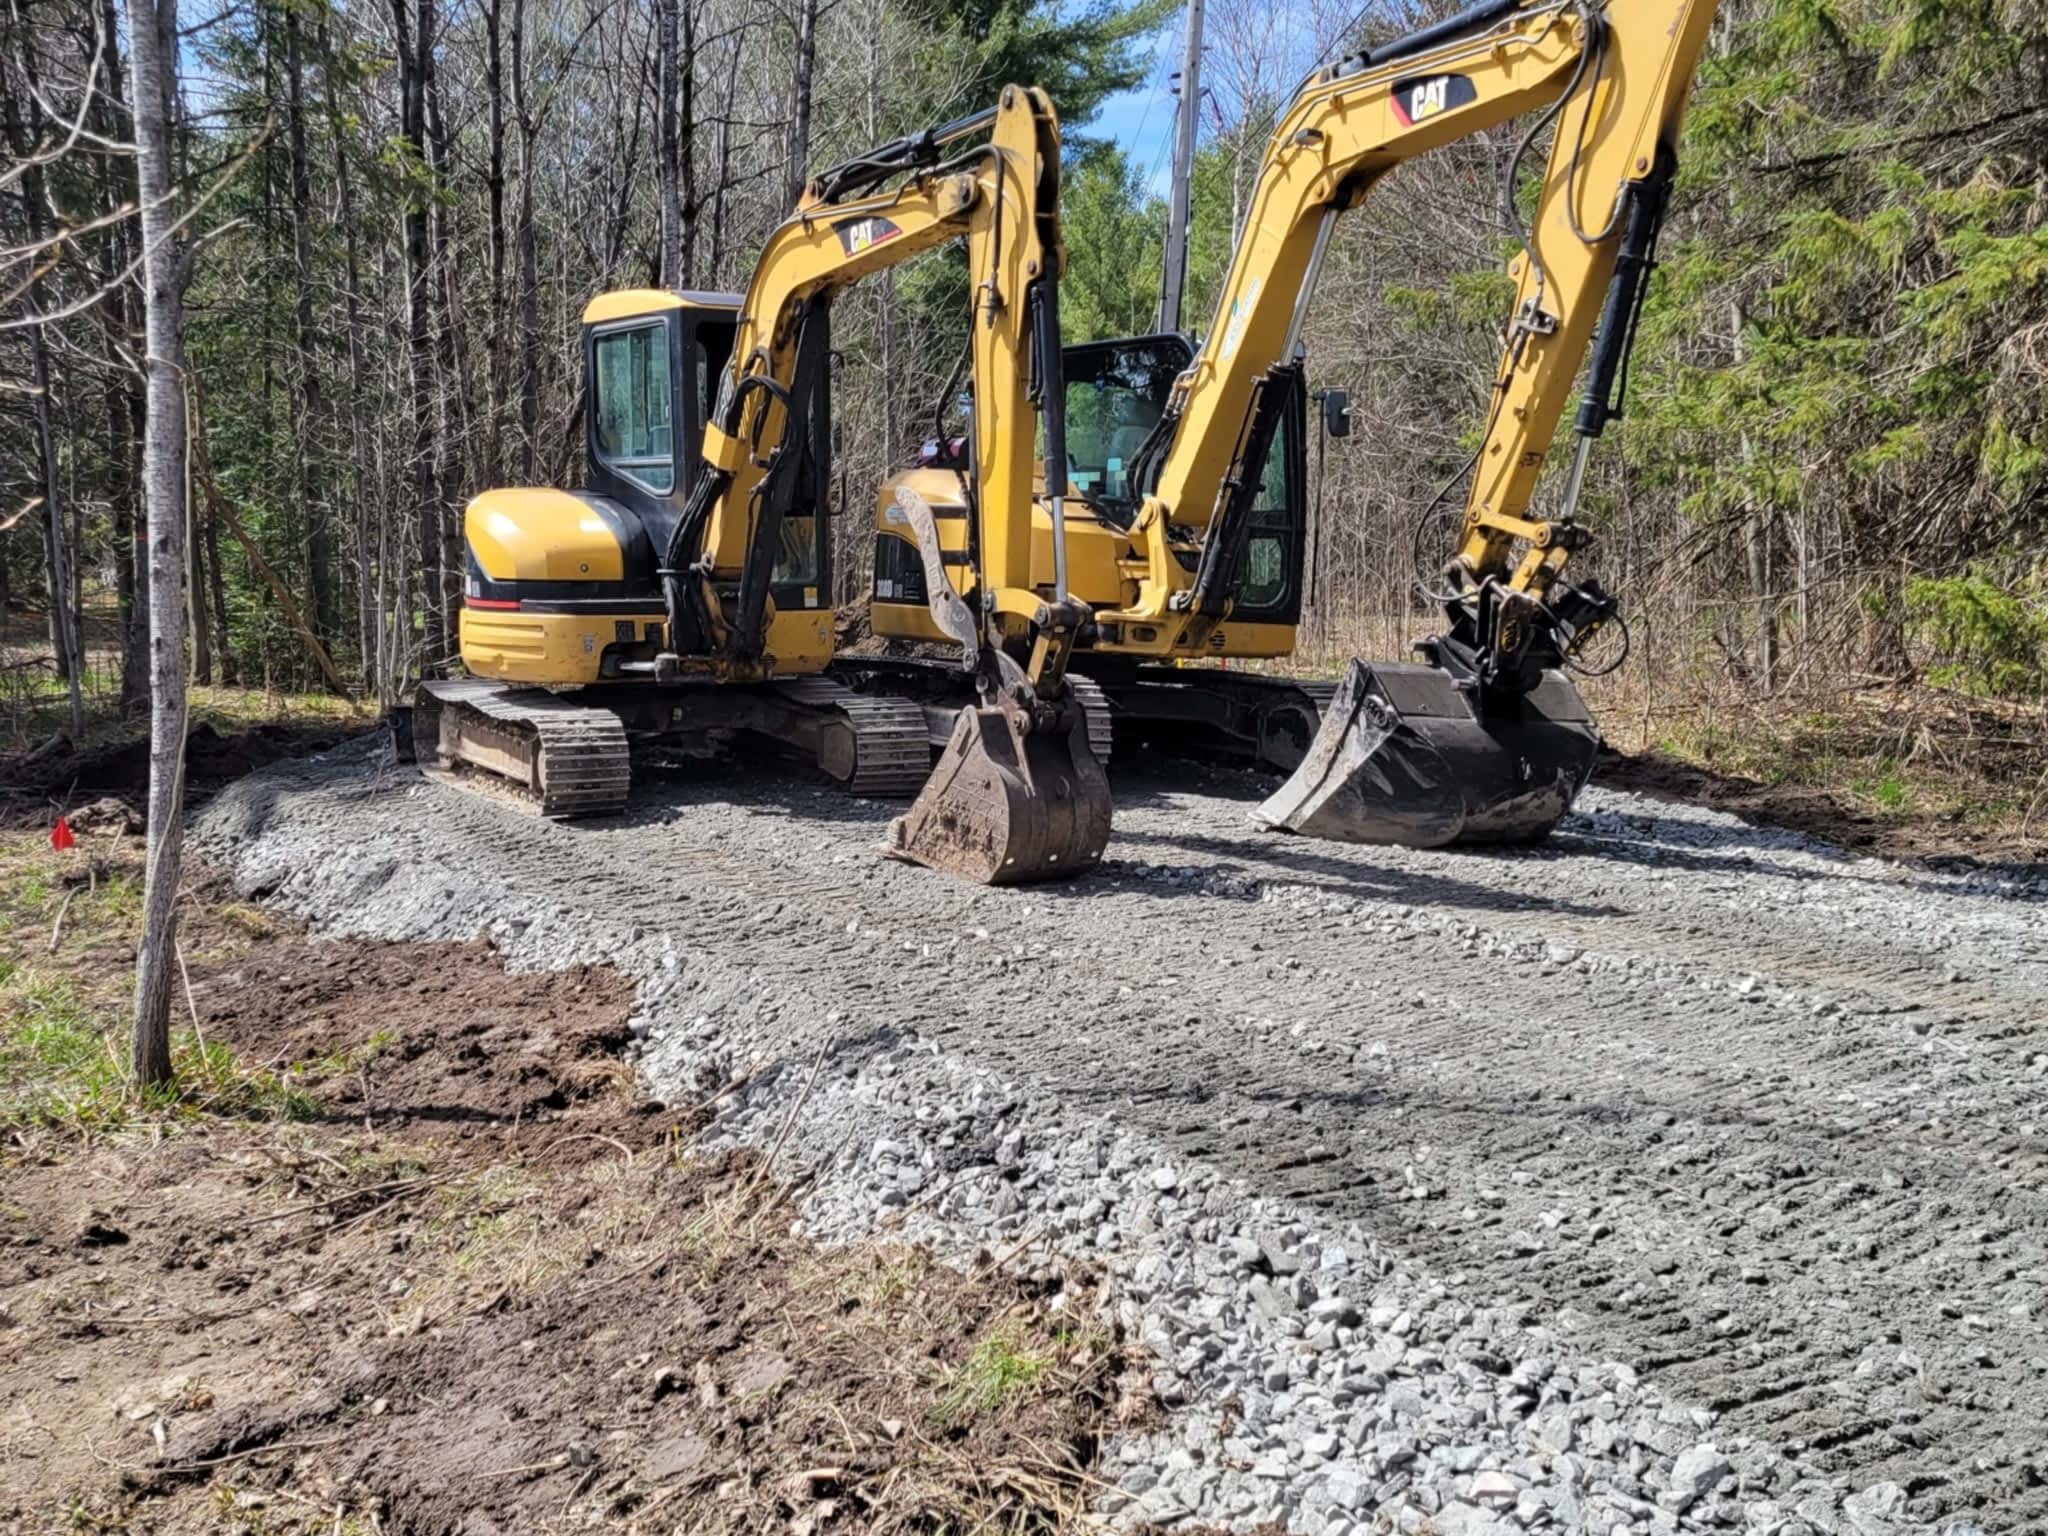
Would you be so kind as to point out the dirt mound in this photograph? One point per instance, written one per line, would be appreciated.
(212, 758)
(438, 1040)
(470, 1281)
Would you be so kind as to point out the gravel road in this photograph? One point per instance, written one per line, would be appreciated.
(1761, 1119)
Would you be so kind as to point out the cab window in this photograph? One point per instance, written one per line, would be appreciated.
(635, 414)
(1264, 580)
(710, 349)
(1116, 393)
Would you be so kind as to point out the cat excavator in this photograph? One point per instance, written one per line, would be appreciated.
(685, 591)
(1485, 738)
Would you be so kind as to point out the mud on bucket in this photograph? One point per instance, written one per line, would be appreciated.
(1007, 804)
(1405, 756)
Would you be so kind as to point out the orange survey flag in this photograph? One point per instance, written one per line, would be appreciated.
(60, 835)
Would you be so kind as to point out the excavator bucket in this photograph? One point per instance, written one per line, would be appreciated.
(1009, 804)
(1405, 756)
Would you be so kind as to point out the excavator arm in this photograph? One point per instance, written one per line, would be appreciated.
(1613, 81)
(1017, 795)
(999, 196)
(1486, 740)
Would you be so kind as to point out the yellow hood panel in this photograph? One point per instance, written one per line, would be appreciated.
(541, 535)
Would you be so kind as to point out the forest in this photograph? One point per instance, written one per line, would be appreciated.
(1824, 508)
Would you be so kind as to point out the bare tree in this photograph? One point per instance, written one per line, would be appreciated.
(26, 138)
(153, 52)
(414, 21)
(800, 113)
(666, 135)
(313, 507)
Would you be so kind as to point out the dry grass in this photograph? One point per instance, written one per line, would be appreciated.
(35, 702)
(1926, 761)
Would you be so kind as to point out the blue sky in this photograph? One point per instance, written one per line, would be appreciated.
(1141, 119)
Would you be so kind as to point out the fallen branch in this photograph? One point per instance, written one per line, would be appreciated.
(56, 744)
(554, 1463)
(788, 1122)
(202, 476)
(57, 928)
(178, 948)
(402, 1186)
(610, 1141)
(254, 1450)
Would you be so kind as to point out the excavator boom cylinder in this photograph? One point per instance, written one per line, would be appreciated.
(1406, 756)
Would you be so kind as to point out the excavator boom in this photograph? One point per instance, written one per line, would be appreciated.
(1017, 794)
(1487, 740)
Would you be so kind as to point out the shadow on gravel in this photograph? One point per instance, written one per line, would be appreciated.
(1295, 860)
(666, 784)
(1671, 844)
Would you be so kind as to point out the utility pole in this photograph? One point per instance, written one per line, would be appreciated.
(1174, 280)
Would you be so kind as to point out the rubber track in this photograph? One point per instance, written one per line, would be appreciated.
(1100, 713)
(892, 757)
(585, 768)
(1096, 710)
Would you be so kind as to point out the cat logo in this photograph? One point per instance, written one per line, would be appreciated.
(857, 235)
(1429, 96)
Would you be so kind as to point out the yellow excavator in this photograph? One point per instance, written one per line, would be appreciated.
(685, 591)
(1182, 534)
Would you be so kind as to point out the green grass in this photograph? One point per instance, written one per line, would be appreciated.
(1819, 751)
(64, 1067)
(1886, 789)
(1001, 1368)
(352, 1059)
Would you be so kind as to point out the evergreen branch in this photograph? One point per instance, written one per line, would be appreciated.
(1932, 136)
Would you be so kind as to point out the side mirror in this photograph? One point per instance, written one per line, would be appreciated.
(1336, 411)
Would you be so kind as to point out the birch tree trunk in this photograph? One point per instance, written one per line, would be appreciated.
(153, 45)
(24, 132)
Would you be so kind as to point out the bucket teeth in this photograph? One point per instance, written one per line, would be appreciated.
(1405, 756)
(1009, 804)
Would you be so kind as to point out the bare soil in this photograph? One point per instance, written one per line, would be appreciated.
(1827, 814)
(480, 1285)
(34, 784)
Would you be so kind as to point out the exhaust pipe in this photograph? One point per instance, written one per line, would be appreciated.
(1407, 757)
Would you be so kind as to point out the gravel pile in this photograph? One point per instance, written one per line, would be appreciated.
(1315, 1380)
(1331, 1373)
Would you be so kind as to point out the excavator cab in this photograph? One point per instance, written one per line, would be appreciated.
(1118, 394)
(562, 587)
(1117, 397)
